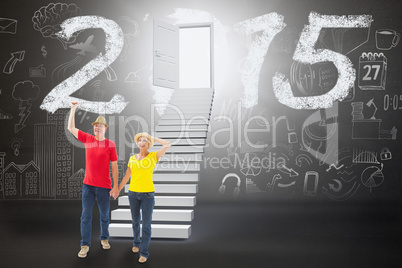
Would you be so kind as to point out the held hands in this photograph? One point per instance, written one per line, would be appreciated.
(115, 192)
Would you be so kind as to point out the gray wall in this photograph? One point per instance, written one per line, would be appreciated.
(357, 145)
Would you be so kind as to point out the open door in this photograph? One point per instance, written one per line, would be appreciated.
(166, 55)
(196, 56)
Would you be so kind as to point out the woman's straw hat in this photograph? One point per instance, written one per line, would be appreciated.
(144, 134)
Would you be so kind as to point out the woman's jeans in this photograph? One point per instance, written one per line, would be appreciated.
(89, 193)
(145, 202)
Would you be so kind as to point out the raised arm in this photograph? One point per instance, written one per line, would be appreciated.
(165, 146)
(71, 119)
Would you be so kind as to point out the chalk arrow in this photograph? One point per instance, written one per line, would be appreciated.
(110, 74)
(287, 170)
(335, 188)
(15, 57)
(281, 185)
(344, 197)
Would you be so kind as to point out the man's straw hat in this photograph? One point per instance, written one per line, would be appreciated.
(100, 120)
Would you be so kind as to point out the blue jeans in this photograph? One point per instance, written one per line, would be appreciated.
(89, 193)
(145, 202)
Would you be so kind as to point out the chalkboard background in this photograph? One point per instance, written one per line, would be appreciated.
(362, 129)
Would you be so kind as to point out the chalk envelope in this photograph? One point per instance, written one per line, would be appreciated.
(8, 26)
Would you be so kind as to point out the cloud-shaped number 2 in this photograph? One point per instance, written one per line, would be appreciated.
(60, 97)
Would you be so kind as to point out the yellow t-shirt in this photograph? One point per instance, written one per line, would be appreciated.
(141, 173)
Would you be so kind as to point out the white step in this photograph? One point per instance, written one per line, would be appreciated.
(192, 93)
(188, 104)
(165, 201)
(197, 101)
(176, 188)
(189, 95)
(181, 102)
(178, 92)
(181, 128)
(123, 214)
(176, 177)
(193, 100)
(173, 188)
(187, 116)
(181, 149)
(204, 110)
(181, 135)
(181, 157)
(158, 230)
(187, 141)
(175, 167)
(175, 100)
(204, 89)
(172, 122)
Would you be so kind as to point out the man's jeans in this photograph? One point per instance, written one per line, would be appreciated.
(89, 193)
(145, 202)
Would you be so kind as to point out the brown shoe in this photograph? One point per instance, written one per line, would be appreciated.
(142, 259)
(105, 244)
(83, 252)
(136, 250)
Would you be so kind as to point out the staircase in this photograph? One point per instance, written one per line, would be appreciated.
(176, 175)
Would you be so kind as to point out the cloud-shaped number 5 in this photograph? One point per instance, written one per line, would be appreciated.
(305, 53)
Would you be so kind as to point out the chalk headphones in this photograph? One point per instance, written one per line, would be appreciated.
(236, 191)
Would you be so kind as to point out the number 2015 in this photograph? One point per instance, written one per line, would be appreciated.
(60, 96)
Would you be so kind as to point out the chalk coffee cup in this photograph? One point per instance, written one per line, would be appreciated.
(386, 39)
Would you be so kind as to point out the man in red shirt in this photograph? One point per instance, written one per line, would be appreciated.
(99, 152)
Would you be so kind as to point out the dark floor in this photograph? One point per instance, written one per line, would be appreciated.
(46, 234)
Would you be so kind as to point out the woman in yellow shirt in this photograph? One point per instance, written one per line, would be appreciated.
(141, 192)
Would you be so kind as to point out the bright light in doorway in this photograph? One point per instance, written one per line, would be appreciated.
(195, 57)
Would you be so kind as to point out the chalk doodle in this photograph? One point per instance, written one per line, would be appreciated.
(59, 73)
(24, 92)
(236, 190)
(16, 145)
(85, 47)
(369, 128)
(372, 71)
(37, 72)
(344, 196)
(310, 183)
(16, 188)
(131, 30)
(47, 20)
(4, 115)
(44, 51)
(372, 177)
(8, 26)
(385, 39)
(385, 154)
(15, 57)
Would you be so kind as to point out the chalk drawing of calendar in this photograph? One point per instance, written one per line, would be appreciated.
(372, 71)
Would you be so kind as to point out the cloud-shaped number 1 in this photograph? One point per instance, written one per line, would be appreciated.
(60, 97)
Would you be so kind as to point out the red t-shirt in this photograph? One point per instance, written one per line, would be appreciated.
(98, 156)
